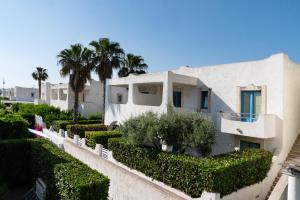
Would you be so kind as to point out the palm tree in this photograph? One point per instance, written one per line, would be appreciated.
(40, 74)
(132, 64)
(108, 56)
(76, 62)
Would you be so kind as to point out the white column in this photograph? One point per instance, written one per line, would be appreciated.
(293, 188)
(130, 94)
(167, 90)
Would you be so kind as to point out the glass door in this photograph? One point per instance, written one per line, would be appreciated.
(250, 105)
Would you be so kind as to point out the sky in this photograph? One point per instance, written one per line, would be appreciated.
(166, 33)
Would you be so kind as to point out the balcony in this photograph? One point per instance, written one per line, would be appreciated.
(264, 126)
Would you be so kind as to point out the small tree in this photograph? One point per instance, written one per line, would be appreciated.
(40, 74)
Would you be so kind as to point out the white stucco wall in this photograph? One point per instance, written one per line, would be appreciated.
(24, 94)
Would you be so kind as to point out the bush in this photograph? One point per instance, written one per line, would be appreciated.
(97, 116)
(79, 129)
(64, 175)
(77, 181)
(15, 165)
(100, 137)
(12, 126)
(182, 130)
(62, 124)
(30, 119)
(193, 175)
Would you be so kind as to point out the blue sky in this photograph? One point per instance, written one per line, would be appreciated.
(167, 33)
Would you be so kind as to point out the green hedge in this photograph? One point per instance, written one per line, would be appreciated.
(62, 124)
(15, 165)
(100, 137)
(77, 181)
(30, 118)
(23, 161)
(54, 167)
(79, 129)
(193, 175)
(12, 126)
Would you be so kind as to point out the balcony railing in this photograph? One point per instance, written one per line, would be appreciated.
(260, 126)
(244, 117)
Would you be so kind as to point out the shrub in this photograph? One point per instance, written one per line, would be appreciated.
(15, 166)
(64, 175)
(193, 175)
(97, 116)
(79, 129)
(12, 126)
(62, 124)
(182, 130)
(100, 137)
(77, 181)
(30, 119)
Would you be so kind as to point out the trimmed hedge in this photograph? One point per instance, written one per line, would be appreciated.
(23, 161)
(79, 129)
(12, 126)
(62, 124)
(100, 137)
(15, 165)
(30, 118)
(76, 181)
(54, 167)
(193, 175)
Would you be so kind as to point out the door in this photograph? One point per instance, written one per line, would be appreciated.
(177, 98)
(250, 105)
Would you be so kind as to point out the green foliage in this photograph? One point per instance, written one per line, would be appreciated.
(73, 179)
(62, 124)
(79, 129)
(30, 119)
(48, 113)
(2, 106)
(64, 175)
(15, 166)
(12, 125)
(3, 189)
(193, 175)
(182, 130)
(100, 137)
(97, 116)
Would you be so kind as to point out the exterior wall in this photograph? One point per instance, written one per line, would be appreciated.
(24, 94)
(90, 100)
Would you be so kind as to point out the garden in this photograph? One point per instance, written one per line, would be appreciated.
(23, 158)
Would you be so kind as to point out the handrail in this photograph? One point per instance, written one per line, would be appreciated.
(247, 117)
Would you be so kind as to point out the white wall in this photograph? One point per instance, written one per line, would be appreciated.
(147, 99)
(24, 94)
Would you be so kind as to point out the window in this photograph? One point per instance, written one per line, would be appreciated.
(245, 144)
(32, 94)
(120, 98)
(204, 99)
(83, 98)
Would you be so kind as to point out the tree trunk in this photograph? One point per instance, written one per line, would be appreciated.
(103, 103)
(75, 114)
(40, 89)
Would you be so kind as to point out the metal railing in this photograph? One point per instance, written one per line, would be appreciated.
(245, 117)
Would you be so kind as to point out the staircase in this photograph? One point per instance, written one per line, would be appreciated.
(293, 158)
(31, 194)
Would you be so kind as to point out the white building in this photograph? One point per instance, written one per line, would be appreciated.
(62, 96)
(21, 94)
(252, 104)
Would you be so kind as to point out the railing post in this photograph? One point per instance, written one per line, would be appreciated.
(98, 149)
(76, 139)
(61, 132)
(83, 142)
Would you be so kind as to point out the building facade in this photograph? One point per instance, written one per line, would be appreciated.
(21, 94)
(62, 96)
(252, 104)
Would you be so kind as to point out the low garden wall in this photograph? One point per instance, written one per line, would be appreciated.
(126, 183)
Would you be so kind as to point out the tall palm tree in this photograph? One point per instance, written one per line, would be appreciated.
(40, 74)
(108, 56)
(132, 64)
(76, 63)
